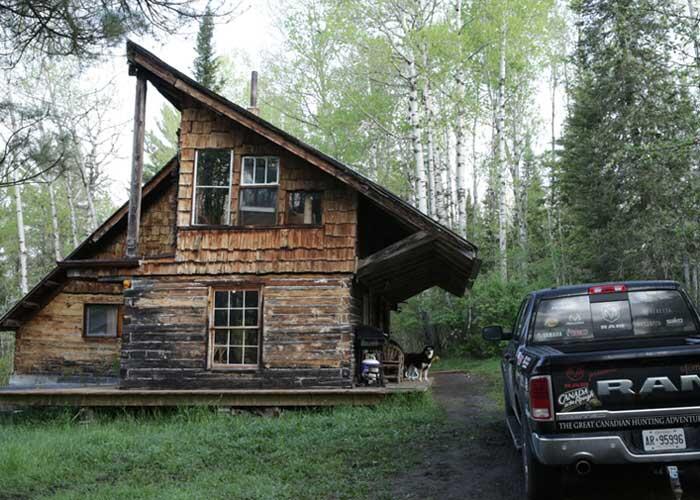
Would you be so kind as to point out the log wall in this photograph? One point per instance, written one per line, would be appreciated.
(306, 333)
(52, 342)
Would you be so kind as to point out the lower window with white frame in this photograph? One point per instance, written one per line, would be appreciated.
(235, 329)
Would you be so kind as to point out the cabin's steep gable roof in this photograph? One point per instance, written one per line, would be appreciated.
(449, 248)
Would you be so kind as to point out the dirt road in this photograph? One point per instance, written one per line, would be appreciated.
(475, 459)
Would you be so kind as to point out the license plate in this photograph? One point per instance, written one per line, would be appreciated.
(664, 439)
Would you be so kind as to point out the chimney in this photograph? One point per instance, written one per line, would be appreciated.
(253, 108)
(134, 216)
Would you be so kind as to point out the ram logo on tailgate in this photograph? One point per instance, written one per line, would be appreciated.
(651, 384)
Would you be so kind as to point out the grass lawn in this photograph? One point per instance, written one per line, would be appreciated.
(199, 453)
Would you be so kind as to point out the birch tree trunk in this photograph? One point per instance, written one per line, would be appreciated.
(88, 186)
(696, 42)
(71, 208)
(500, 144)
(54, 223)
(416, 135)
(461, 138)
(434, 189)
(23, 282)
(475, 168)
(451, 141)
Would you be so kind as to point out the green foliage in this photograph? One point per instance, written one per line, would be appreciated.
(627, 170)
(337, 453)
(206, 64)
(161, 146)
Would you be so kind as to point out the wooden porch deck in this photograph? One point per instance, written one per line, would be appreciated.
(113, 396)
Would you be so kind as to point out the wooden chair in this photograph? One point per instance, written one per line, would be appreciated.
(392, 362)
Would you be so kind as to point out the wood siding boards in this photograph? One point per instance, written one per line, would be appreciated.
(52, 341)
(306, 333)
(157, 233)
(328, 248)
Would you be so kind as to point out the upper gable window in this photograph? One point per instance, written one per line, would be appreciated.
(212, 189)
(258, 194)
(304, 207)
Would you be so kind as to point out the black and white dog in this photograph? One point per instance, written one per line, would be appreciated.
(417, 364)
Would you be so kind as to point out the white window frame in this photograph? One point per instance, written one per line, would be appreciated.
(195, 187)
(213, 328)
(258, 185)
(255, 158)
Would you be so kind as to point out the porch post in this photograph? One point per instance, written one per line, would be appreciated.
(132, 232)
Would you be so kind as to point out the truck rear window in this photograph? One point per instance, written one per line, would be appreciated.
(609, 316)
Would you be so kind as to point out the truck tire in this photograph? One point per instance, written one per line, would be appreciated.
(542, 482)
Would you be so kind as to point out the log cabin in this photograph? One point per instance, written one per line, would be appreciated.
(248, 261)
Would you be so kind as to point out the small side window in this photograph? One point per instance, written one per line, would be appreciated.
(304, 207)
(102, 320)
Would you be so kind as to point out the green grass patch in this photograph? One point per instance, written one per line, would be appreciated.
(341, 453)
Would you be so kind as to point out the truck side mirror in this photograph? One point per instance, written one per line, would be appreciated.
(495, 334)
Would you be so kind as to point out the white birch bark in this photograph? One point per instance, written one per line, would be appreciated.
(461, 139)
(416, 136)
(54, 222)
(434, 190)
(451, 141)
(696, 42)
(475, 168)
(23, 281)
(71, 208)
(89, 190)
(500, 144)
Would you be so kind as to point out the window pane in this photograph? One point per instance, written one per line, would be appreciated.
(211, 206)
(251, 356)
(272, 170)
(251, 337)
(221, 337)
(235, 355)
(236, 317)
(237, 299)
(220, 299)
(213, 167)
(101, 320)
(220, 355)
(251, 317)
(236, 337)
(221, 317)
(304, 207)
(260, 170)
(251, 298)
(258, 206)
(248, 171)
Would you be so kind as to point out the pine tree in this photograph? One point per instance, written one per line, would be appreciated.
(206, 64)
(624, 172)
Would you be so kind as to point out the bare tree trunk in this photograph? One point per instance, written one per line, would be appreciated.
(89, 190)
(452, 173)
(500, 143)
(433, 184)
(475, 169)
(23, 281)
(694, 36)
(54, 223)
(71, 208)
(416, 134)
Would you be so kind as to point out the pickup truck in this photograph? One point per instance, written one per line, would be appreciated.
(602, 374)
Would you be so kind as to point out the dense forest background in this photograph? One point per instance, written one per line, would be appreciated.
(456, 105)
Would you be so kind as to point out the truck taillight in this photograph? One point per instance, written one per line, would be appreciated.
(595, 290)
(541, 407)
